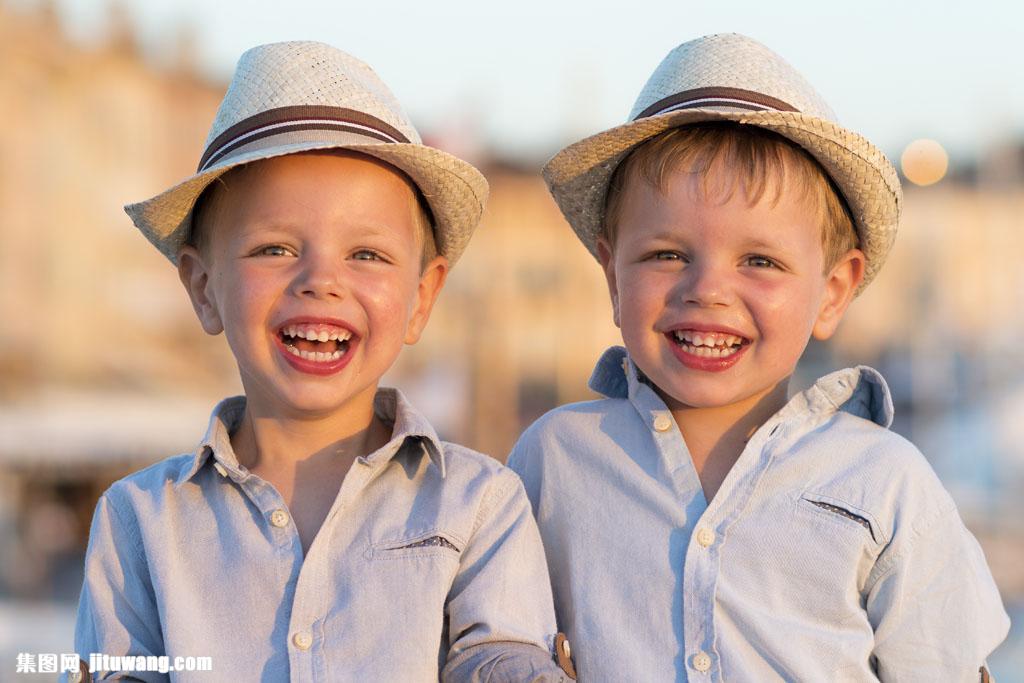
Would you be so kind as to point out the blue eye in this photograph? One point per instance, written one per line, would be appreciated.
(367, 255)
(273, 250)
(667, 256)
(761, 262)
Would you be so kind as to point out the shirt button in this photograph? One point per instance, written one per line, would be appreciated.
(662, 422)
(705, 537)
(302, 640)
(701, 662)
(279, 518)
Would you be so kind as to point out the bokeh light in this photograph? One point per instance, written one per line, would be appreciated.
(924, 162)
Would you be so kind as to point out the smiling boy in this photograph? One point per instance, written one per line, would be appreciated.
(321, 530)
(699, 523)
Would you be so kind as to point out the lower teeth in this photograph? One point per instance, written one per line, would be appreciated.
(709, 351)
(316, 356)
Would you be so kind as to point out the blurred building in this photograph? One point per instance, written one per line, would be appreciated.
(103, 367)
(98, 361)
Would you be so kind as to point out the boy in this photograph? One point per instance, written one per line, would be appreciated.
(699, 525)
(321, 531)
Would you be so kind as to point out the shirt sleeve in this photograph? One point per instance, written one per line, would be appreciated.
(501, 620)
(117, 611)
(524, 461)
(933, 604)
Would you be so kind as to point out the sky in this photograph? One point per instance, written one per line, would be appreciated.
(527, 76)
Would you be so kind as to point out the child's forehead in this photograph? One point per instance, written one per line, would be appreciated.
(302, 183)
(717, 207)
(339, 194)
(313, 168)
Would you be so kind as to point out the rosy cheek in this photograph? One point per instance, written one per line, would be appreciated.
(770, 294)
(383, 297)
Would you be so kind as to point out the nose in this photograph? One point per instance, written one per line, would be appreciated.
(707, 284)
(320, 276)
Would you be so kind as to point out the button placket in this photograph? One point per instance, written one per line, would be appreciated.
(700, 578)
(303, 640)
(279, 518)
(661, 422)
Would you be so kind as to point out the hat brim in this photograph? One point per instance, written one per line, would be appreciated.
(455, 191)
(579, 175)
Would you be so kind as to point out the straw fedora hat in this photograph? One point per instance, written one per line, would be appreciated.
(730, 77)
(294, 97)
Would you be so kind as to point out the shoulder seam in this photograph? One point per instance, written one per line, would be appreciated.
(133, 528)
(495, 492)
(883, 567)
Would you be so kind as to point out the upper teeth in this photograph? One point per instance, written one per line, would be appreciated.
(707, 338)
(312, 333)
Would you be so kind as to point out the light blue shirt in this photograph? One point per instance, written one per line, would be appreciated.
(831, 552)
(429, 560)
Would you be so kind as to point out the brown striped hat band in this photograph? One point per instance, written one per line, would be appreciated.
(736, 98)
(294, 119)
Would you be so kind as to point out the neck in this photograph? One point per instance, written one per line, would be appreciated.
(716, 436)
(267, 439)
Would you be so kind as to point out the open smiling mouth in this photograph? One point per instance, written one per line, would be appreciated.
(315, 343)
(707, 344)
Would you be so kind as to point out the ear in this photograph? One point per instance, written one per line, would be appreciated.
(606, 255)
(194, 275)
(840, 286)
(431, 281)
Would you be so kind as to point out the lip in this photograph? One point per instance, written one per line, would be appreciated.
(316, 367)
(700, 363)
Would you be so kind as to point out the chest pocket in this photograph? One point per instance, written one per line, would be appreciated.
(846, 511)
(841, 544)
(841, 510)
(813, 556)
(436, 543)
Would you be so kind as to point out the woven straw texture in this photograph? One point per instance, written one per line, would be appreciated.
(578, 176)
(310, 74)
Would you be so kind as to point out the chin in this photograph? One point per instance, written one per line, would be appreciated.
(693, 399)
(689, 392)
(318, 405)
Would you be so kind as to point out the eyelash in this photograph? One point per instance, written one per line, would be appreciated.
(264, 250)
(767, 262)
(374, 255)
(666, 255)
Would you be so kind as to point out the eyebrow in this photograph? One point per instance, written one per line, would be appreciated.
(757, 243)
(665, 236)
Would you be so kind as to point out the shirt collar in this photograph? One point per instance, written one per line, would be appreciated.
(615, 375)
(860, 391)
(410, 429)
(224, 420)
(410, 426)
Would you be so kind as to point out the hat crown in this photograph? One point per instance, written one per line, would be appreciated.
(306, 73)
(730, 60)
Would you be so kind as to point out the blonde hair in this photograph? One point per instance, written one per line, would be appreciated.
(756, 159)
